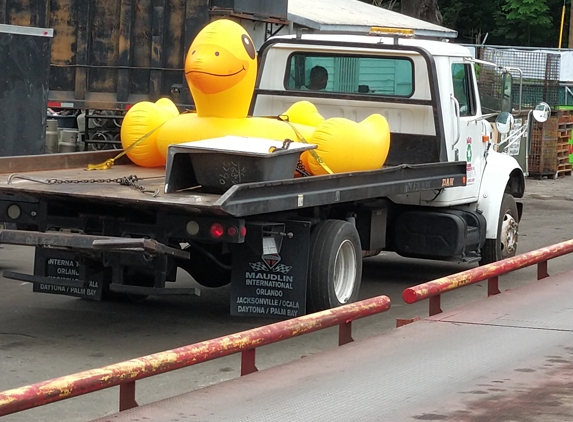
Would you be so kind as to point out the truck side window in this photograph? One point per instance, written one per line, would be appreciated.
(463, 88)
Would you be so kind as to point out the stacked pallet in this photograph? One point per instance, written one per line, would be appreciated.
(565, 129)
(549, 149)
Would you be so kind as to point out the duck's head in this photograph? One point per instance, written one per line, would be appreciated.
(220, 68)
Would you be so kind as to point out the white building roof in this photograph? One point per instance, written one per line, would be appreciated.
(353, 16)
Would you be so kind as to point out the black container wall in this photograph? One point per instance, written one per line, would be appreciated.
(110, 54)
(274, 8)
(24, 75)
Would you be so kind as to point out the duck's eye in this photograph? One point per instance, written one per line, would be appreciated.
(193, 52)
(216, 53)
(249, 47)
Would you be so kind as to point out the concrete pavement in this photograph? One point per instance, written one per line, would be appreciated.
(561, 188)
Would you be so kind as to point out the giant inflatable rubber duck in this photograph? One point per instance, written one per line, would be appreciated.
(220, 69)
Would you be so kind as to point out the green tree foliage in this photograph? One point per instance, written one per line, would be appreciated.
(472, 20)
(524, 22)
(507, 22)
(533, 23)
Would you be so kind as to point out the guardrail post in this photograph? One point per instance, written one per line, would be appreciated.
(345, 333)
(127, 396)
(248, 362)
(435, 307)
(492, 286)
(542, 270)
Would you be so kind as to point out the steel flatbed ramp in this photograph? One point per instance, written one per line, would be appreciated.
(64, 178)
(505, 358)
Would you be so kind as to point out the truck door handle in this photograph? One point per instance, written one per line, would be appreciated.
(457, 120)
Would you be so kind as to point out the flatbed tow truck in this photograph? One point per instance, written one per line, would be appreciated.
(295, 245)
(87, 230)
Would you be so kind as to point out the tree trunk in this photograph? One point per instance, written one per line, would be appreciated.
(426, 10)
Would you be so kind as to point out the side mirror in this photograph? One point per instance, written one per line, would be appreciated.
(506, 93)
(504, 122)
(541, 112)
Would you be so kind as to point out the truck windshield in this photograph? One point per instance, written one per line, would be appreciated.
(389, 76)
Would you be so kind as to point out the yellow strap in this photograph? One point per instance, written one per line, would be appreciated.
(107, 164)
(312, 152)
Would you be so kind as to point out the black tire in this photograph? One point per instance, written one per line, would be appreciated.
(335, 255)
(505, 245)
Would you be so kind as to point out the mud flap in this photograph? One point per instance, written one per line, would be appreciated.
(58, 265)
(270, 270)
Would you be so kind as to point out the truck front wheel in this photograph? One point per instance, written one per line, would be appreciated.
(335, 268)
(505, 245)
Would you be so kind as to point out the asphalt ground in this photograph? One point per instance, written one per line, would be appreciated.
(48, 336)
(505, 358)
(561, 188)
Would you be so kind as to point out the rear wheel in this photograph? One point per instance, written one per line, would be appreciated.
(505, 245)
(335, 268)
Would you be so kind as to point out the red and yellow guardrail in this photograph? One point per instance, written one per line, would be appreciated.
(433, 290)
(125, 374)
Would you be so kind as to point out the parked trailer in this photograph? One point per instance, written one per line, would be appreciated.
(109, 55)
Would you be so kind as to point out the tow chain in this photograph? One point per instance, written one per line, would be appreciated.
(130, 181)
(300, 169)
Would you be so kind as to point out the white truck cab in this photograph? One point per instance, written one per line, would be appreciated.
(427, 91)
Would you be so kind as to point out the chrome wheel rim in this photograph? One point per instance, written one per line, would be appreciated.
(509, 235)
(345, 271)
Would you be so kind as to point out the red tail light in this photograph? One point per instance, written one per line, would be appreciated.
(217, 230)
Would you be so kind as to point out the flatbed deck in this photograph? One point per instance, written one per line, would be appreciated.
(28, 176)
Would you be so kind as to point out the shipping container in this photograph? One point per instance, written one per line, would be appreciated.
(110, 54)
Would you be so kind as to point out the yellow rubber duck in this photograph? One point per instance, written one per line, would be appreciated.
(220, 69)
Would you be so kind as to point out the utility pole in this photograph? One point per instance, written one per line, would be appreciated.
(570, 43)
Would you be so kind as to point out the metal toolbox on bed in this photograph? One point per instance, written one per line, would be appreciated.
(219, 163)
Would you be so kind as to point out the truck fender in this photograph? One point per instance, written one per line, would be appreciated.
(502, 174)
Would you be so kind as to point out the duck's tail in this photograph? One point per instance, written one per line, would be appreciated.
(139, 131)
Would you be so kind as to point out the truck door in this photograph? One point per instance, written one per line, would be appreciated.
(468, 142)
